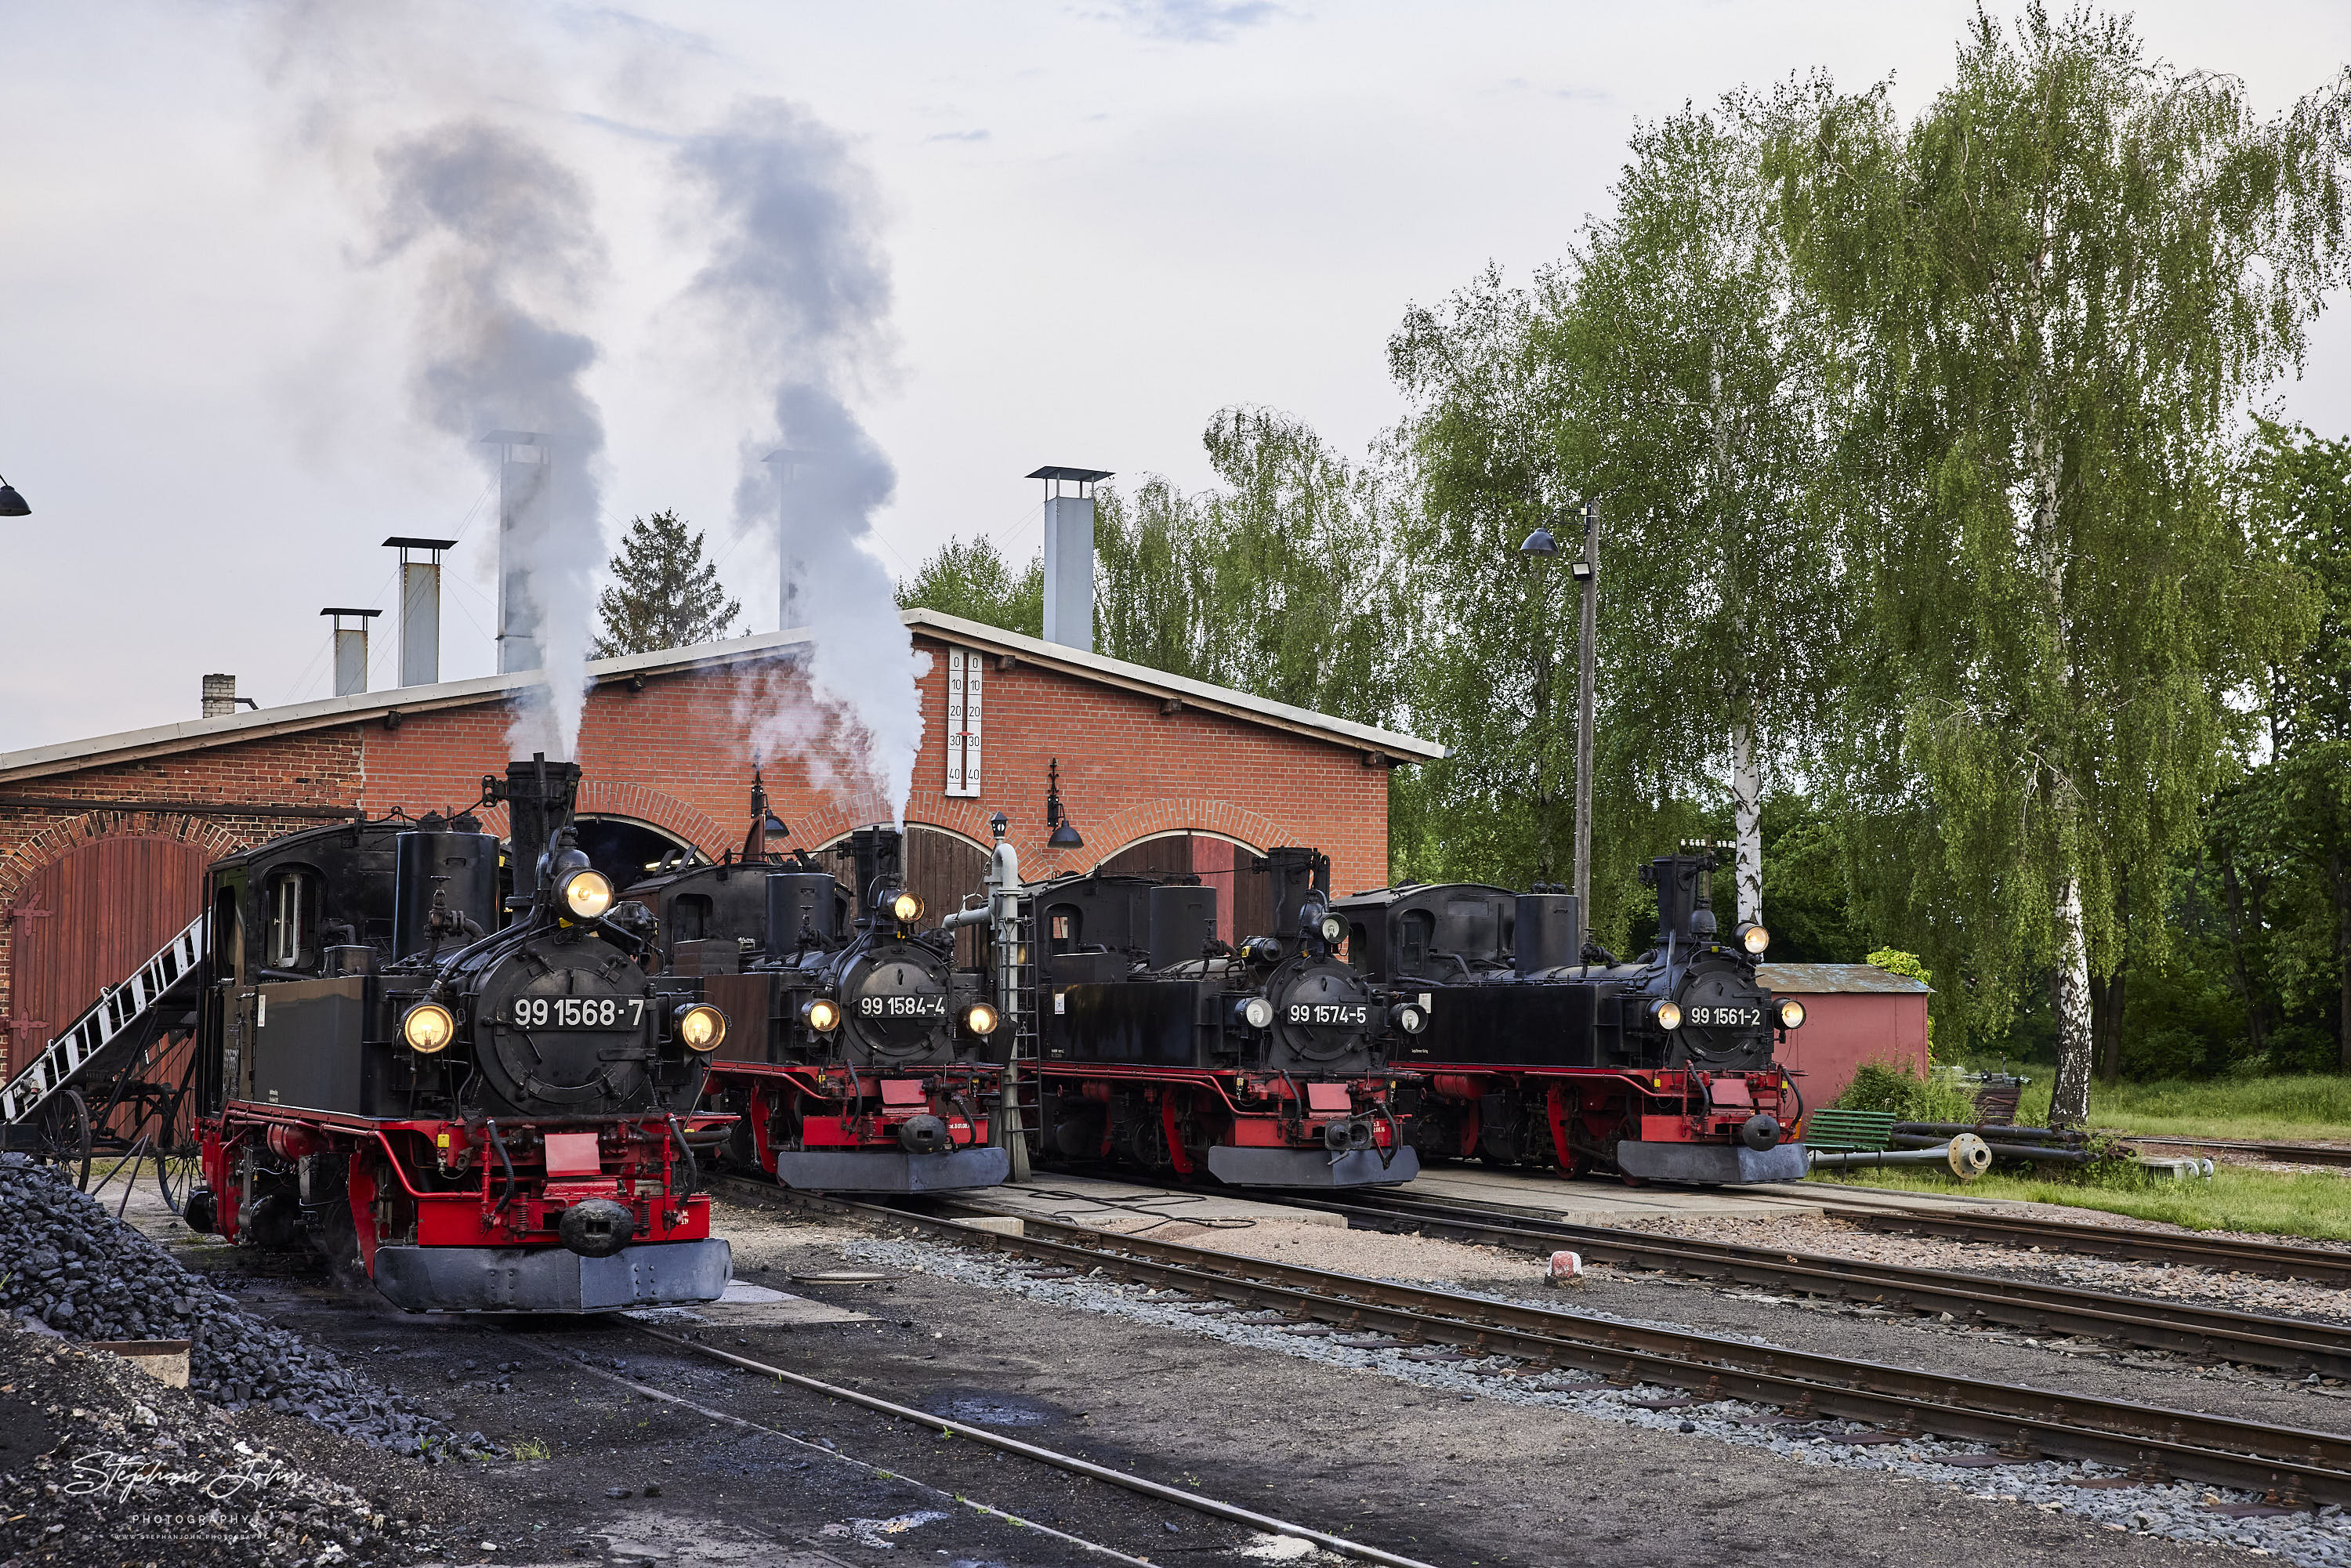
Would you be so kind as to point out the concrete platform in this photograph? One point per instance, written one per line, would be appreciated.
(1127, 1210)
(1608, 1202)
(746, 1304)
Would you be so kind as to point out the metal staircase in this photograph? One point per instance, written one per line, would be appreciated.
(114, 1034)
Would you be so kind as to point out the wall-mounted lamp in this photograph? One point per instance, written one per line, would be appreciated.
(1065, 831)
(12, 504)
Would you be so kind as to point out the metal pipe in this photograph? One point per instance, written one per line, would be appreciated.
(1990, 1130)
(2064, 1155)
(1965, 1157)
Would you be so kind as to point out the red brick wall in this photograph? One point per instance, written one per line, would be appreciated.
(679, 754)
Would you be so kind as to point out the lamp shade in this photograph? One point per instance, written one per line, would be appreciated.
(1539, 542)
(12, 504)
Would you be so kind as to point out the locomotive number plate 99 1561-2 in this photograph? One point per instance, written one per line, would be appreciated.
(576, 1012)
(1328, 1012)
(1727, 1018)
(933, 1006)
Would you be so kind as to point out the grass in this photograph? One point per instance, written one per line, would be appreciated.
(2302, 1108)
(530, 1448)
(2312, 1203)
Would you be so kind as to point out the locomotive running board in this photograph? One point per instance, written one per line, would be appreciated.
(1311, 1167)
(1712, 1164)
(891, 1170)
(550, 1279)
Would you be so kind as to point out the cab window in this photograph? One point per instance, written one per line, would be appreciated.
(291, 901)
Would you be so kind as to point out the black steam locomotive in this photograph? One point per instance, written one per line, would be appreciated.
(1540, 1050)
(484, 1105)
(1264, 1064)
(859, 1058)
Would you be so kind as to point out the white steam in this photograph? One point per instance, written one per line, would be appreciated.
(798, 278)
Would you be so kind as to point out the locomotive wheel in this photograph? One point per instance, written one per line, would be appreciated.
(67, 1134)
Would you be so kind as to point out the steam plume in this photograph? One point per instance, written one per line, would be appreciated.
(798, 277)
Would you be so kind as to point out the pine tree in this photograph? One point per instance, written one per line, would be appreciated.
(666, 595)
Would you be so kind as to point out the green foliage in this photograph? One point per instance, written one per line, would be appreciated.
(1807, 900)
(1889, 1086)
(664, 595)
(974, 580)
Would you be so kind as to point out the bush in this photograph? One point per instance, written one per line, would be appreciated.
(1886, 1086)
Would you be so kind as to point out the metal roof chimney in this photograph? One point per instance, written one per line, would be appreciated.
(791, 567)
(350, 650)
(1070, 554)
(526, 468)
(420, 608)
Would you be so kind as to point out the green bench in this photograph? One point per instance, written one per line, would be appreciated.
(1848, 1131)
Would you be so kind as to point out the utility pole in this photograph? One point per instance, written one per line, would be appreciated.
(1586, 572)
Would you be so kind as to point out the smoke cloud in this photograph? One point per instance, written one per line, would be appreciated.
(499, 224)
(796, 277)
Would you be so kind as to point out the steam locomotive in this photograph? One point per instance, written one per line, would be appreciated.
(481, 1113)
(1264, 1064)
(1538, 1049)
(859, 1059)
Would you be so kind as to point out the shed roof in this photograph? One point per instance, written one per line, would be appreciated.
(1822, 979)
(187, 735)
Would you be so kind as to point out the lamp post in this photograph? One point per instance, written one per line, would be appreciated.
(1585, 571)
(12, 504)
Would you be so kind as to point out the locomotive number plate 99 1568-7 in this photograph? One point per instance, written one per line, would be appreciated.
(1727, 1018)
(1328, 1012)
(576, 1012)
(933, 1006)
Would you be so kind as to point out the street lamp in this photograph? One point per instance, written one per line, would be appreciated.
(12, 504)
(1065, 828)
(1586, 572)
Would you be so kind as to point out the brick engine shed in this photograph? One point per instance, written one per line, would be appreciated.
(104, 842)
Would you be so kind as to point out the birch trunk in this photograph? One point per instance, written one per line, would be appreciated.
(1746, 809)
(2069, 1105)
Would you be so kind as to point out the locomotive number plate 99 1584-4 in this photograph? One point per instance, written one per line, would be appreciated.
(576, 1012)
(1328, 1012)
(933, 1006)
(1727, 1018)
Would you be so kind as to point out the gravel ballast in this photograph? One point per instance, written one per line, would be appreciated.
(2178, 1512)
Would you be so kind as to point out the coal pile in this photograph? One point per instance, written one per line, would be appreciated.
(74, 1267)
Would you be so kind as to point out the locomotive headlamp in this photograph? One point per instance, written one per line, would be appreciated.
(906, 909)
(701, 1026)
(1667, 1016)
(1408, 1018)
(980, 1020)
(428, 1028)
(1792, 1013)
(586, 893)
(1334, 930)
(1754, 938)
(821, 1014)
(1256, 1012)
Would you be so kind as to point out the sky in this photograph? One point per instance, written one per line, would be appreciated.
(1102, 221)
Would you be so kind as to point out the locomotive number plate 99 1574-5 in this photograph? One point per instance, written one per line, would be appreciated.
(1727, 1018)
(1328, 1012)
(933, 1006)
(576, 1012)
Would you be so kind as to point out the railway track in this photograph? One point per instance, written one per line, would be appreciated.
(2288, 1154)
(2270, 1259)
(2293, 1465)
(2210, 1334)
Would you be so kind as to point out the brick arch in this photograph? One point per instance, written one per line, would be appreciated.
(38, 853)
(634, 801)
(1157, 818)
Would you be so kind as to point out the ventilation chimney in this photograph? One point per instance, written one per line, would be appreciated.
(220, 695)
(792, 567)
(420, 608)
(351, 648)
(1070, 554)
(525, 470)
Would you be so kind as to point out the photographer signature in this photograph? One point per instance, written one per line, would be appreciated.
(121, 1477)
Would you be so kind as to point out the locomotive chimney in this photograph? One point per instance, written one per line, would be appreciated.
(420, 608)
(1070, 554)
(791, 567)
(1295, 873)
(351, 648)
(525, 470)
(538, 796)
(878, 853)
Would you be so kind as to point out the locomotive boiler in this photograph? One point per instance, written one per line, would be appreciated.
(1265, 1063)
(859, 1059)
(1539, 1050)
(481, 1103)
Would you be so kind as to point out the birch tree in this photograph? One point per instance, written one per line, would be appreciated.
(2058, 288)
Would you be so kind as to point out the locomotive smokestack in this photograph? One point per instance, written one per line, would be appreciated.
(1070, 554)
(420, 608)
(526, 468)
(351, 648)
(879, 852)
(538, 796)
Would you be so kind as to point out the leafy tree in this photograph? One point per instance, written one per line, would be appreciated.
(975, 581)
(2054, 292)
(665, 594)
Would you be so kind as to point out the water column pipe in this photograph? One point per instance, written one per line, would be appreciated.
(1001, 914)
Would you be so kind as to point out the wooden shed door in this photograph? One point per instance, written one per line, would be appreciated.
(88, 920)
(943, 870)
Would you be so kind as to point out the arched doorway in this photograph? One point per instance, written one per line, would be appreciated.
(1244, 897)
(943, 868)
(88, 920)
(624, 848)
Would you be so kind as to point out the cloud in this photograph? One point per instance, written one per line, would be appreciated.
(1194, 21)
(980, 135)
